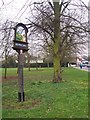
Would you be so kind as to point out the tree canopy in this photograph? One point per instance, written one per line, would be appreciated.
(62, 28)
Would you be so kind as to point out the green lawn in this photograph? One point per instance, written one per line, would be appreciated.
(45, 99)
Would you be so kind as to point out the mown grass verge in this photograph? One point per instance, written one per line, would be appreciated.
(45, 99)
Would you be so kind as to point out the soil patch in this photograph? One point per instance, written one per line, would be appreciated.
(9, 78)
(27, 104)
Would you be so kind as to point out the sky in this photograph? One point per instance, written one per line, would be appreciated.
(17, 10)
(12, 9)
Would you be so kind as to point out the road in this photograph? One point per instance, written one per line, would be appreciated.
(84, 68)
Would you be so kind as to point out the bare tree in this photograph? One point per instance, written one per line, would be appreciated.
(63, 26)
(6, 41)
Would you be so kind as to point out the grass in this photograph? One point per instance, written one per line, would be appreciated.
(44, 99)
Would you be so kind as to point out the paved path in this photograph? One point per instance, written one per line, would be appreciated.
(84, 68)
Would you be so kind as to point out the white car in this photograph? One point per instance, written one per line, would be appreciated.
(88, 65)
(84, 63)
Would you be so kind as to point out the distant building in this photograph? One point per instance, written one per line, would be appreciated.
(36, 61)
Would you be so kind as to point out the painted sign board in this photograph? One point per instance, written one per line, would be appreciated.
(20, 38)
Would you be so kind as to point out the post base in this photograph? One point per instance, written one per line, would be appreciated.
(21, 97)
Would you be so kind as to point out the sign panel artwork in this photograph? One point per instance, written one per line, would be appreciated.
(20, 34)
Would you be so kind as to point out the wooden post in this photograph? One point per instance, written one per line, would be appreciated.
(21, 96)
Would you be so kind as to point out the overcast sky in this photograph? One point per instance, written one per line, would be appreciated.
(12, 9)
(17, 10)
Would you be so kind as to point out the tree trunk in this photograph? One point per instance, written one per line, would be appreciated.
(36, 65)
(29, 68)
(48, 64)
(5, 75)
(57, 66)
(28, 65)
(56, 47)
